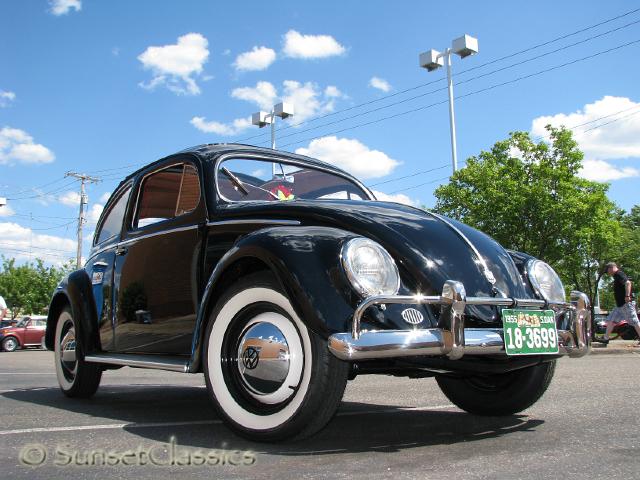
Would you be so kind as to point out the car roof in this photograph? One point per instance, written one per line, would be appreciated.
(210, 151)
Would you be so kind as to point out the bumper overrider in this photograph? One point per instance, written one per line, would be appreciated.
(454, 341)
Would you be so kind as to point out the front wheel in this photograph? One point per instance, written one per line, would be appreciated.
(10, 344)
(500, 394)
(76, 377)
(268, 375)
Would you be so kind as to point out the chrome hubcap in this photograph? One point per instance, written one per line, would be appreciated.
(68, 350)
(10, 344)
(263, 358)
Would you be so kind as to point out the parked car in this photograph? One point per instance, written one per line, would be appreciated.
(28, 332)
(280, 277)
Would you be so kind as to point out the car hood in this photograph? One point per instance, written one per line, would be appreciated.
(430, 249)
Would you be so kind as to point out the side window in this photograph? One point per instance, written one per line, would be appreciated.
(112, 223)
(167, 194)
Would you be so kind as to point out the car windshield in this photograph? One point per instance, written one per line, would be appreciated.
(23, 323)
(251, 180)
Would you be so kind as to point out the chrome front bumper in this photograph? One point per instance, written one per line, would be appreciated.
(455, 341)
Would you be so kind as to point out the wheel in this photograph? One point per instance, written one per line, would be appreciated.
(628, 333)
(10, 344)
(269, 377)
(501, 394)
(76, 377)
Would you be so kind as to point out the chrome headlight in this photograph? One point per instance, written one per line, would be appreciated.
(370, 268)
(545, 281)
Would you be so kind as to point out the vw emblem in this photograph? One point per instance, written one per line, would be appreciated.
(250, 358)
(412, 316)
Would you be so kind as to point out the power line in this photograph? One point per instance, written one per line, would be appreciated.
(419, 185)
(476, 92)
(477, 77)
(410, 175)
(511, 55)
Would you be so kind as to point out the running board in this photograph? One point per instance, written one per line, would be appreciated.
(156, 362)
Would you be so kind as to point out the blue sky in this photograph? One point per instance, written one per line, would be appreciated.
(93, 86)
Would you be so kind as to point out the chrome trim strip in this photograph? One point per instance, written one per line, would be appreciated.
(253, 221)
(488, 274)
(285, 161)
(155, 362)
(130, 241)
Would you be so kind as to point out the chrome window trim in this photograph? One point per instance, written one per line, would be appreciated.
(130, 227)
(130, 241)
(286, 161)
(254, 221)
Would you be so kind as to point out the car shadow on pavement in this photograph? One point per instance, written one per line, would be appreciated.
(358, 427)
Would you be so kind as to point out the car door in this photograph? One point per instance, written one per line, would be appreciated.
(100, 265)
(29, 332)
(158, 261)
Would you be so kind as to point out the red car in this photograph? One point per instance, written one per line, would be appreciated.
(29, 332)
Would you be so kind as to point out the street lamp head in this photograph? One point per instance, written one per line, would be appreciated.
(431, 60)
(261, 119)
(283, 110)
(465, 46)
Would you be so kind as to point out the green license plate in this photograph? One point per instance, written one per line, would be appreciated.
(529, 332)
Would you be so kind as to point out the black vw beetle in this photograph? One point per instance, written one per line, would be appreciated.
(280, 277)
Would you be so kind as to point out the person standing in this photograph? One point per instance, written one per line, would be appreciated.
(3, 308)
(625, 305)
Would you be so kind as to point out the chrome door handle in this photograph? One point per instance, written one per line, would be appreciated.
(121, 250)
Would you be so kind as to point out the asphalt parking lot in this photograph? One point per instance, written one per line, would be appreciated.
(585, 426)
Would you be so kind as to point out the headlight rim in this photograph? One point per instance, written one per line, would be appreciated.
(535, 284)
(352, 276)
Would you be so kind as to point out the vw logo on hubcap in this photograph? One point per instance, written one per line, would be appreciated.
(250, 358)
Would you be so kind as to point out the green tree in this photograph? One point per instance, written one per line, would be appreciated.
(28, 288)
(529, 197)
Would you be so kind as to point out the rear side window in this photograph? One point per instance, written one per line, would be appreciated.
(112, 223)
(167, 194)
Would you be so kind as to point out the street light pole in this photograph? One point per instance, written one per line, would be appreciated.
(452, 115)
(432, 60)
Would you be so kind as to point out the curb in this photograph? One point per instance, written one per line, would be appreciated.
(615, 347)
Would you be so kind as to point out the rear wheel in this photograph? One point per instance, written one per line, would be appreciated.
(10, 344)
(501, 394)
(76, 377)
(268, 375)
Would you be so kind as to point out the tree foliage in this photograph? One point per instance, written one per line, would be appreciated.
(28, 288)
(529, 197)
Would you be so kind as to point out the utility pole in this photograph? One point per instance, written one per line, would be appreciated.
(81, 215)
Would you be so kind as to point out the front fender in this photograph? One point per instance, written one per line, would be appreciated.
(75, 290)
(306, 263)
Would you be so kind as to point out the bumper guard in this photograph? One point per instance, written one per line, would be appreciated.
(454, 340)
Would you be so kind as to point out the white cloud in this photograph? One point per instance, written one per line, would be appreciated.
(332, 92)
(351, 155)
(176, 66)
(259, 58)
(226, 52)
(70, 199)
(307, 98)
(62, 7)
(93, 215)
(380, 84)
(6, 98)
(6, 211)
(104, 197)
(227, 129)
(619, 139)
(18, 146)
(397, 198)
(264, 94)
(297, 45)
(17, 241)
(601, 171)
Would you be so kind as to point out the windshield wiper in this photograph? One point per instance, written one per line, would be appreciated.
(241, 186)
